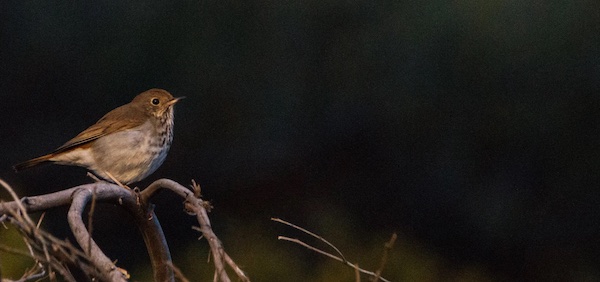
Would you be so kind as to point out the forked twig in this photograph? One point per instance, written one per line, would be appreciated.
(196, 206)
(311, 234)
(340, 259)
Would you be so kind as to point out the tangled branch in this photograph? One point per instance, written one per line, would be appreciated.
(50, 251)
(55, 254)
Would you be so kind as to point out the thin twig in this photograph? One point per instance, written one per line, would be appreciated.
(386, 249)
(297, 241)
(240, 273)
(37, 272)
(14, 251)
(40, 220)
(311, 234)
(341, 258)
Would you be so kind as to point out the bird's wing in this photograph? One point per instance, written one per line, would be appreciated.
(119, 119)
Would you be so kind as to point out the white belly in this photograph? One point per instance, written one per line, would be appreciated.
(129, 155)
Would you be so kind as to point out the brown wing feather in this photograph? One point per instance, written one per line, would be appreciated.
(122, 118)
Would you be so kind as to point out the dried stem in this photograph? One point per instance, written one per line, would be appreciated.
(341, 259)
(386, 250)
(311, 234)
(105, 192)
(197, 206)
(58, 255)
(93, 260)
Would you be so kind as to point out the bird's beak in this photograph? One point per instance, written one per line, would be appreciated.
(175, 100)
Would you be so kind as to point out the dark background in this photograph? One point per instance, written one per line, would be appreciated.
(470, 128)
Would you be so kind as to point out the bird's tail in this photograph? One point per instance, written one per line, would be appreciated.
(33, 162)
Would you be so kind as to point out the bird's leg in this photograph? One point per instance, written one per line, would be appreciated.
(116, 181)
(135, 191)
(93, 176)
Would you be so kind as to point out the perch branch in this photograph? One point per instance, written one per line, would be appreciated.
(57, 255)
(156, 243)
(106, 192)
(80, 199)
(139, 206)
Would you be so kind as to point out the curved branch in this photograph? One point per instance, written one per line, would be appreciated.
(197, 206)
(143, 215)
(154, 238)
(139, 206)
(80, 199)
(169, 184)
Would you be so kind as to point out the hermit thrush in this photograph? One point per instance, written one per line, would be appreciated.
(126, 145)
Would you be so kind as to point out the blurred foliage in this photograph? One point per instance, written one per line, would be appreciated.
(12, 265)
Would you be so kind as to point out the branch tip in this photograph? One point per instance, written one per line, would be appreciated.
(341, 259)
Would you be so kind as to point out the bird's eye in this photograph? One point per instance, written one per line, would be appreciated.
(155, 101)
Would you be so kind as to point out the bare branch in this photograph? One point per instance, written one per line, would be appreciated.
(105, 192)
(198, 207)
(80, 199)
(311, 234)
(138, 205)
(240, 273)
(35, 273)
(56, 254)
(387, 247)
(301, 243)
(213, 241)
(156, 244)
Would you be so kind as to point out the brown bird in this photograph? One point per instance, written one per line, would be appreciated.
(126, 145)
